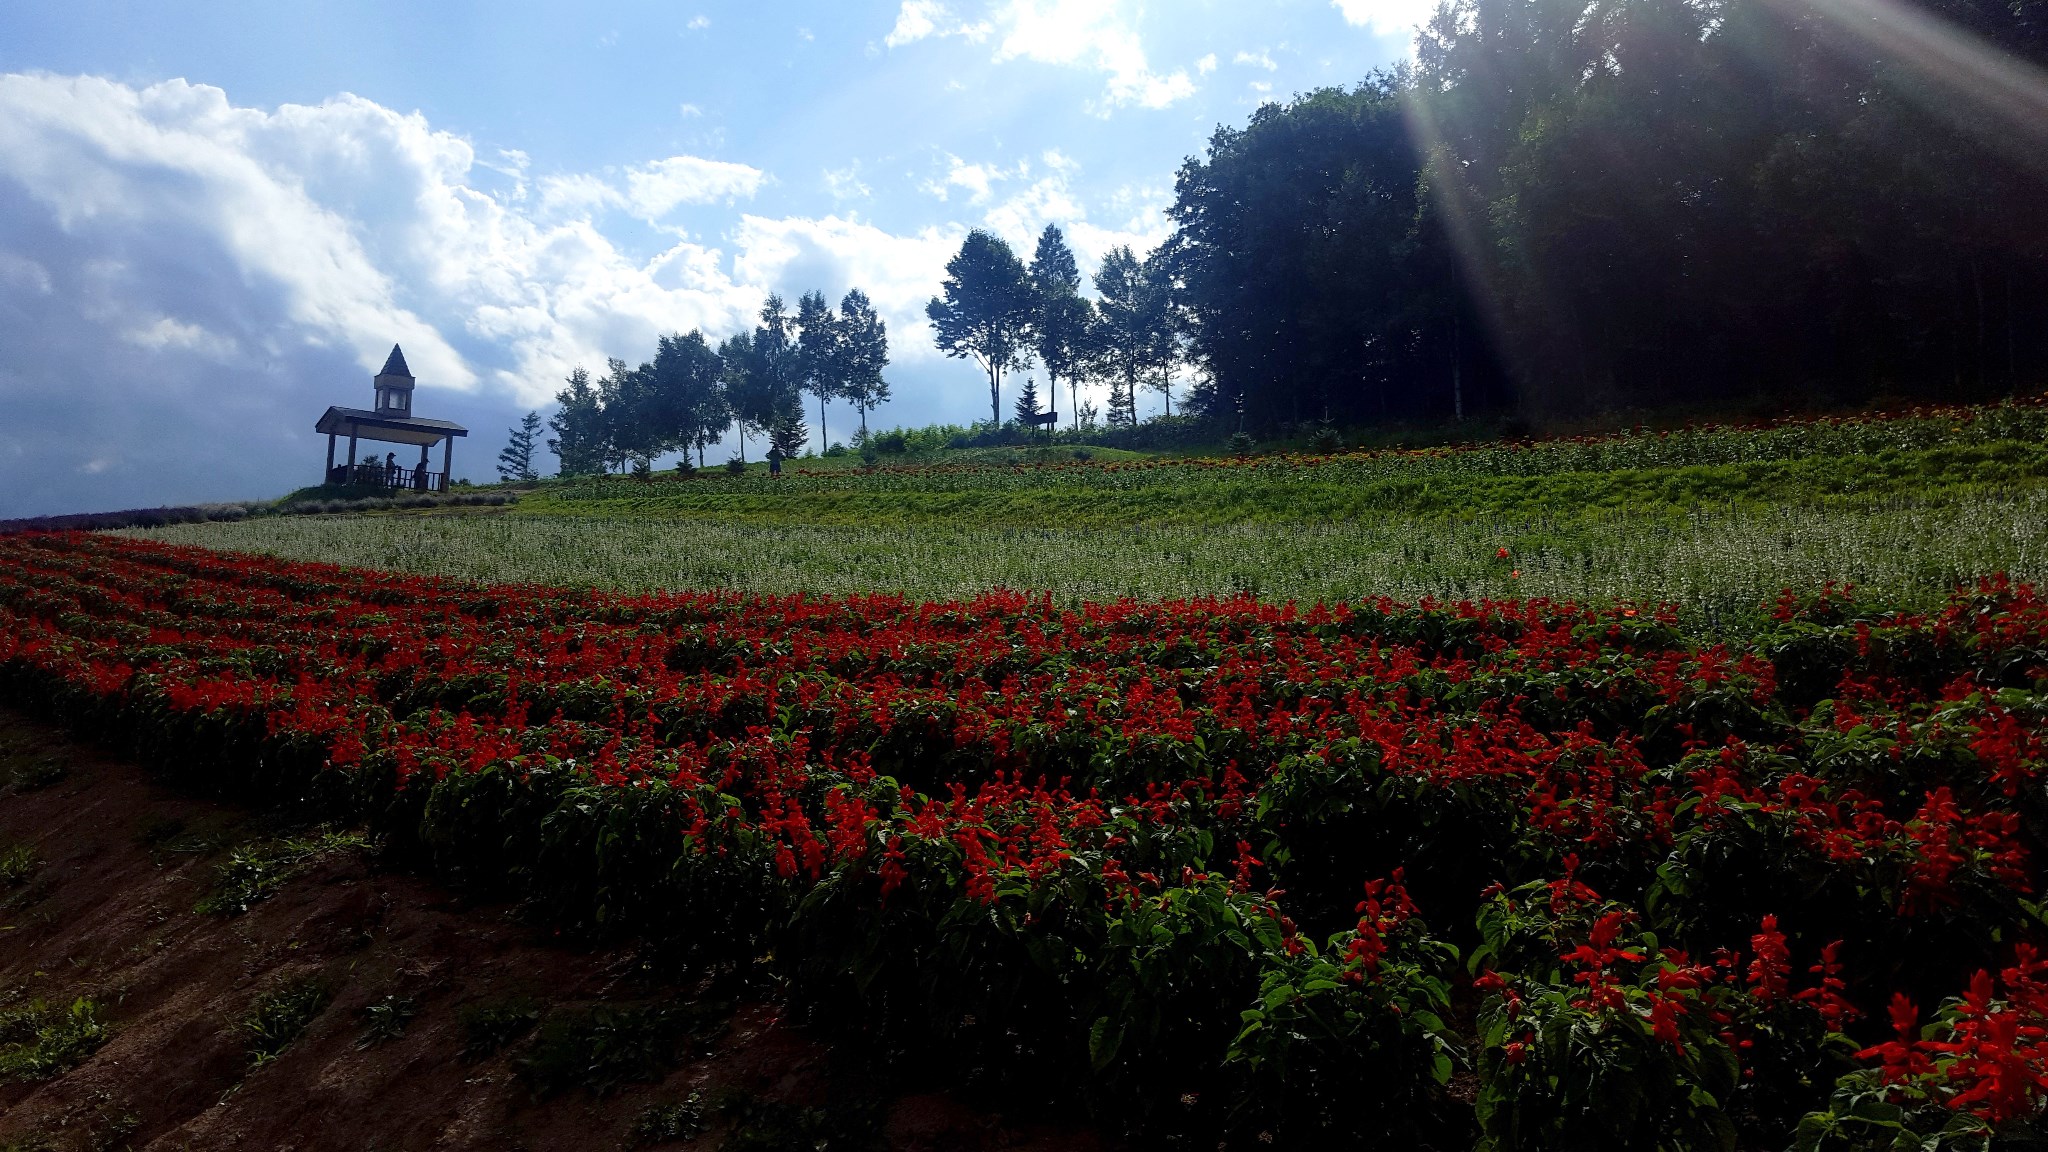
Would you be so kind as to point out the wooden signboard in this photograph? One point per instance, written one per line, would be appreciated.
(1042, 418)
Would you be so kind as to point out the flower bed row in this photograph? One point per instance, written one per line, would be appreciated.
(1526, 874)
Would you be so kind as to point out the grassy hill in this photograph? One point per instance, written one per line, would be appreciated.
(1715, 517)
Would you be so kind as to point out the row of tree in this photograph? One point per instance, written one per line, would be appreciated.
(1566, 205)
(1005, 316)
(1569, 205)
(753, 383)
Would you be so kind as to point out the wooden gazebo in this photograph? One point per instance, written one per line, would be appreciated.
(390, 422)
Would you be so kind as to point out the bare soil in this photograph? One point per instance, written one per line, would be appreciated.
(109, 914)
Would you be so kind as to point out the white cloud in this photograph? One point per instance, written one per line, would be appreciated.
(660, 187)
(1259, 59)
(1206, 64)
(1386, 17)
(654, 190)
(698, 22)
(185, 283)
(918, 19)
(22, 273)
(165, 332)
(846, 184)
(689, 111)
(1093, 34)
(978, 179)
(899, 273)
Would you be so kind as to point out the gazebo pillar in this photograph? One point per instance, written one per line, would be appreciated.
(325, 476)
(447, 463)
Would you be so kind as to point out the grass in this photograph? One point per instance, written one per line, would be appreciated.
(488, 1027)
(1716, 519)
(1484, 482)
(1720, 560)
(667, 1123)
(39, 1040)
(606, 1048)
(255, 872)
(386, 1020)
(18, 862)
(280, 1016)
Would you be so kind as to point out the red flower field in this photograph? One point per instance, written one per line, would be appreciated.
(1527, 873)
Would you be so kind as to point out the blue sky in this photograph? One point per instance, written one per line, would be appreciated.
(216, 218)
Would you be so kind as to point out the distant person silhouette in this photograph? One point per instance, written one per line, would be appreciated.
(775, 461)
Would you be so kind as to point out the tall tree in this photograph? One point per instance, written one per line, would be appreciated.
(817, 353)
(744, 406)
(861, 352)
(1126, 339)
(578, 424)
(623, 401)
(684, 403)
(1062, 316)
(984, 312)
(515, 460)
(1167, 320)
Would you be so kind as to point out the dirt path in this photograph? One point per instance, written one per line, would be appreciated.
(434, 1024)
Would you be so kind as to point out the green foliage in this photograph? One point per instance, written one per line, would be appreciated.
(281, 1016)
(984, 311)
(760, 1125)
(18, 862)
(667, 1123)
(38, 1040)
(515, 460)
(255, 872)
(385, 1020)
(603, 1049)
(32, 774)
(1328, 1016)
(488, 1027)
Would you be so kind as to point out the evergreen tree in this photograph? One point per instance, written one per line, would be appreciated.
(788, 434)
(985, 312)
(578, 424)
(515, 460)
(1027, 403)
(862, 351)
(1063, 317)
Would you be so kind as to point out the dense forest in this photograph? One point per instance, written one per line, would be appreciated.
(1567, 206)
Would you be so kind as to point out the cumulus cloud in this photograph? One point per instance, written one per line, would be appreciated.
(1386, 17)
(1259, 59)
(185, 283)
(1092, 34)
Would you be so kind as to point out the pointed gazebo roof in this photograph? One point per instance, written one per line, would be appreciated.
(394, 364)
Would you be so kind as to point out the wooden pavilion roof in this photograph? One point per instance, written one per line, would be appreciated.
(389, 429)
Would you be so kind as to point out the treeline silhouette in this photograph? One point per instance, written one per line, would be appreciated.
(753, 384)
(1566, 207)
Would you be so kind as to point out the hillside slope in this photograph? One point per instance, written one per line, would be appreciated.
(100, 873)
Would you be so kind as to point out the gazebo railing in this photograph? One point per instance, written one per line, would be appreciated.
(391, 477)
